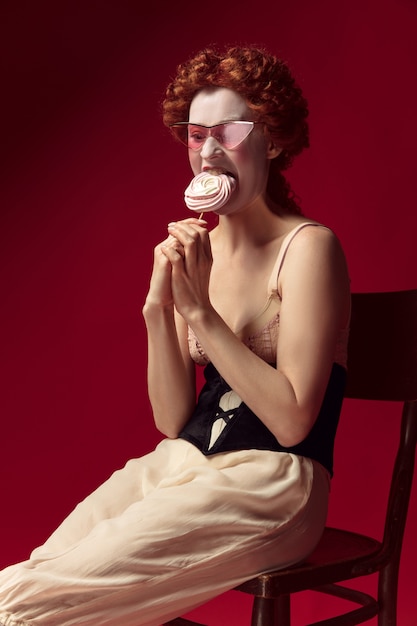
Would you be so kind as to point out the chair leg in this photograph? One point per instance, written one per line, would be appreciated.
(387, 595)
(271, 612)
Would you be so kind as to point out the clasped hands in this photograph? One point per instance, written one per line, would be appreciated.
(182, 265)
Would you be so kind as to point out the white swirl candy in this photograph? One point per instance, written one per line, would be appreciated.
(209, 191)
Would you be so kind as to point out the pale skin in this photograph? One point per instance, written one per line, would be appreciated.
(217, 282)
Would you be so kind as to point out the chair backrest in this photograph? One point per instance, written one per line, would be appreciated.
(382, 355)
(382, 365)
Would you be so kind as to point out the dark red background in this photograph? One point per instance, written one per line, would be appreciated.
(89, 180)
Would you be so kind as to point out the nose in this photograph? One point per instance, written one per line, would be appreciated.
(210, 148)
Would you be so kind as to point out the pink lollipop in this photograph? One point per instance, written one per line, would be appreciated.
(209, 191)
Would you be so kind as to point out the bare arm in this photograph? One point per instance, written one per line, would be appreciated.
(315, 306)
(171, 377)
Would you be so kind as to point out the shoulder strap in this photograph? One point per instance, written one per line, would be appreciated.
(273, 281)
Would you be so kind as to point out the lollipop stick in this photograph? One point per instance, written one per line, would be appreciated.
(201, 215)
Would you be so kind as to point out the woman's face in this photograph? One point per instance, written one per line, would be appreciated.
(248, 163)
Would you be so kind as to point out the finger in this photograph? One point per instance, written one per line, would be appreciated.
(192, 220)
(173, 254)
(187, 232)
(189, 225)
(173, 242)
(196, 245)
(189, 238)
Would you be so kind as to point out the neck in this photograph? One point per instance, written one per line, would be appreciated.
(255, 226)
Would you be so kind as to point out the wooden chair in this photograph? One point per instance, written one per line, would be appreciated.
(382, 365)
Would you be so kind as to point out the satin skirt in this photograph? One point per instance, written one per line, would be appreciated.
(166, 533)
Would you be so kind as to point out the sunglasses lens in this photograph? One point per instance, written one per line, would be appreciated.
(197, 136)
(233, 133)
(229, 135)
(180, 132)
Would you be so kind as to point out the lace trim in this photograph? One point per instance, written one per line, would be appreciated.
(264, 344)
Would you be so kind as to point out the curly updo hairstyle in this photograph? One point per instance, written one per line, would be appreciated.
(266, 84)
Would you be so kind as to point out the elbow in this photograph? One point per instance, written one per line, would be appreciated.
(290, 440)
(168, 430)
(169, 434)
(171, 425)
(295, 430)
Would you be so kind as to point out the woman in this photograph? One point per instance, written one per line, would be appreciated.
(240, 482)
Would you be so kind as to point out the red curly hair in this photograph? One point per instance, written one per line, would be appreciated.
(266, 84)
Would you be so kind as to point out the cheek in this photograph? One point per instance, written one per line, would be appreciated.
(195, 162)
(251, 156)
(256, 163)
(252, 168)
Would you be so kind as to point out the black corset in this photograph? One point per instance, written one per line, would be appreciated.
(243, 430)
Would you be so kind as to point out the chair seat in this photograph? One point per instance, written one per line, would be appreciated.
(339, 555)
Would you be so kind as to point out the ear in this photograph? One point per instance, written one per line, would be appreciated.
(272, 150)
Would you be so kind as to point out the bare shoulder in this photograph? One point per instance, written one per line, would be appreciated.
(314, 239)
(315, 263)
